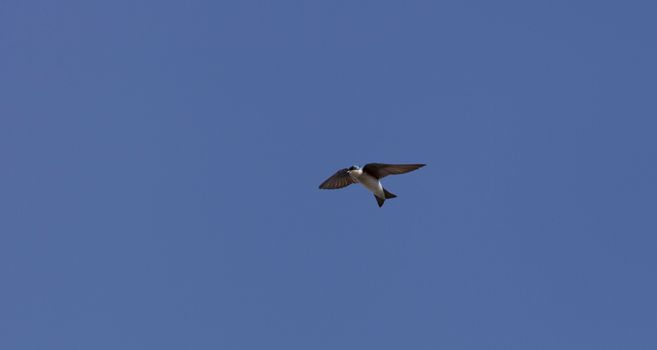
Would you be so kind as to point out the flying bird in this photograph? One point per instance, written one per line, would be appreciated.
(369, 176)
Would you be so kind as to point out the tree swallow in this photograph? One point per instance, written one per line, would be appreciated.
(369, 177)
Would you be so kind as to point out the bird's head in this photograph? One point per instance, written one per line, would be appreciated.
(354, 170)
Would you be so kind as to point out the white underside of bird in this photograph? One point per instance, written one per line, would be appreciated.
(368, 181)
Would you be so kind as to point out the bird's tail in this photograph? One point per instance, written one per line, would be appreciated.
(388, 194)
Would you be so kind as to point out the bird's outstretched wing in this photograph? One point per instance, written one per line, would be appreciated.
(380, 170)
(338, 180)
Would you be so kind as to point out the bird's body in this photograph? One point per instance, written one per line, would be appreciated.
(368, 181)
(369, 176)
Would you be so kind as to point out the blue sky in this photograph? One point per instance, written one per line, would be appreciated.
(161, 162)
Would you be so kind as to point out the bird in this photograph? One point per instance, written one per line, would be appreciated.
(370, 177)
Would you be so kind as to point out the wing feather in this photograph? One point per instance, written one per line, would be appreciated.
(381, 170)
(338, 180)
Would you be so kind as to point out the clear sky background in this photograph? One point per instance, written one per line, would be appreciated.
(160, 163)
